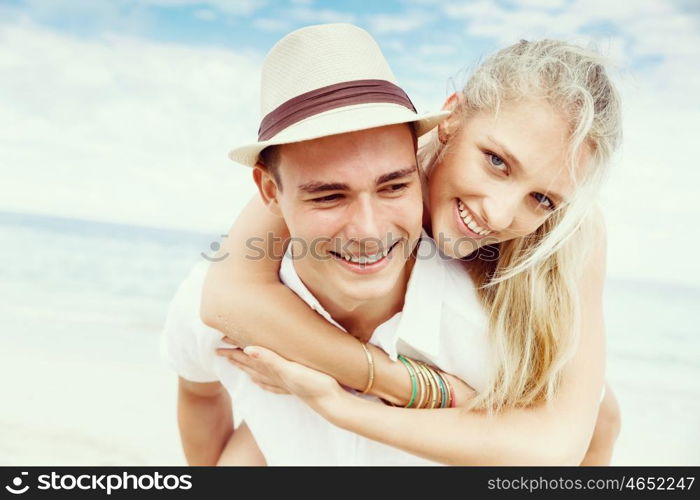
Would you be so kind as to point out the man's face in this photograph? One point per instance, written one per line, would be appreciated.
(353, 206)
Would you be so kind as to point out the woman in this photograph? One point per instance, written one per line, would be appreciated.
(536, 119)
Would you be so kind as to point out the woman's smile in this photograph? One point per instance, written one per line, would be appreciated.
(467, 221)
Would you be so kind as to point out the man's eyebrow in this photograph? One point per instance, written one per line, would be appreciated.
(319, 187)
(513, 160)
(315, 187)
(397, 174)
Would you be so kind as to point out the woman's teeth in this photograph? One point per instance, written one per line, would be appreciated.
(467, 218)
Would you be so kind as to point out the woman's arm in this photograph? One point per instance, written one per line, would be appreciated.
(554, 434)
(244, 299)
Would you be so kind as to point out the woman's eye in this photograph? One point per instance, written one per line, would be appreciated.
(544, 201)
(496, 161)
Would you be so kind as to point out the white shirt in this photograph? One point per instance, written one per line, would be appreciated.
(442, 323)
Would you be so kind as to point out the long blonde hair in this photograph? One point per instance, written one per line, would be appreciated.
(530, 292)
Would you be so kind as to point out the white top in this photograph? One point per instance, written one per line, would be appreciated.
(442, 323)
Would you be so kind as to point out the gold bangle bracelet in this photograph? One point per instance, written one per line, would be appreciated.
(447, 395)
(425, 383)
(438, 387)
(370, 363)
(414, 382)
(431, 383)
(420, 379)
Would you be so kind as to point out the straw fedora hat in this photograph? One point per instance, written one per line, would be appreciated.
(325, 80)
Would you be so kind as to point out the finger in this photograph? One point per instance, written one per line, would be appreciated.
(272, 388)
(249, 371)
(260, 379)
(235, 363)
(225, 351)
(235, 355)
(257, 379)
(227, 340)
(265, 359)
(240, 356)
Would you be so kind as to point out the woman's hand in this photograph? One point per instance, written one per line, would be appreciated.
(267, 375)
(243, 362)
(277, 374)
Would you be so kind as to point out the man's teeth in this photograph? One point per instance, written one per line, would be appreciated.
(467, 218)
(366, 259)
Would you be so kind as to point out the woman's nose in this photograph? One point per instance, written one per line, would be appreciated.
(499, 212)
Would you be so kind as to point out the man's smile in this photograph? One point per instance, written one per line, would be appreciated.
(364, 263)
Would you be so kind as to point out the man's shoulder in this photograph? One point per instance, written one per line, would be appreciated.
(187, 344)
(184, 306)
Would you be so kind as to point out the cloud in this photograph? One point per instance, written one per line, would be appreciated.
(205, 14)
(124, 129)
(651, 27)
(272, 25)
(431, 49)
(542, 4)
(297, 15)
(136, 17)
(381, 24)
(321, 16)
(86, 16)
(238, 7)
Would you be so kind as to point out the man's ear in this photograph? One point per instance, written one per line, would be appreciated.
(449, 125)
(267, 187)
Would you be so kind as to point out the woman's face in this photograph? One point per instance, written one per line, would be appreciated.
(501, 175)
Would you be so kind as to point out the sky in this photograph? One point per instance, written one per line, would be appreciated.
(125, 110)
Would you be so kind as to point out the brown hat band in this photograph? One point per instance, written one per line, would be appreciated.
(330, 97)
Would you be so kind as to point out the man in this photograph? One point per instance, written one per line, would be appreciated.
(338, 139)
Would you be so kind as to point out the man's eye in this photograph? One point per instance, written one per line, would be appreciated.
(327, 199)
(395, 188)
(544, 201)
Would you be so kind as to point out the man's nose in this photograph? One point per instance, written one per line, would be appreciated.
(364, 223)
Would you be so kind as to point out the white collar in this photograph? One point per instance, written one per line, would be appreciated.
(288, 275)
